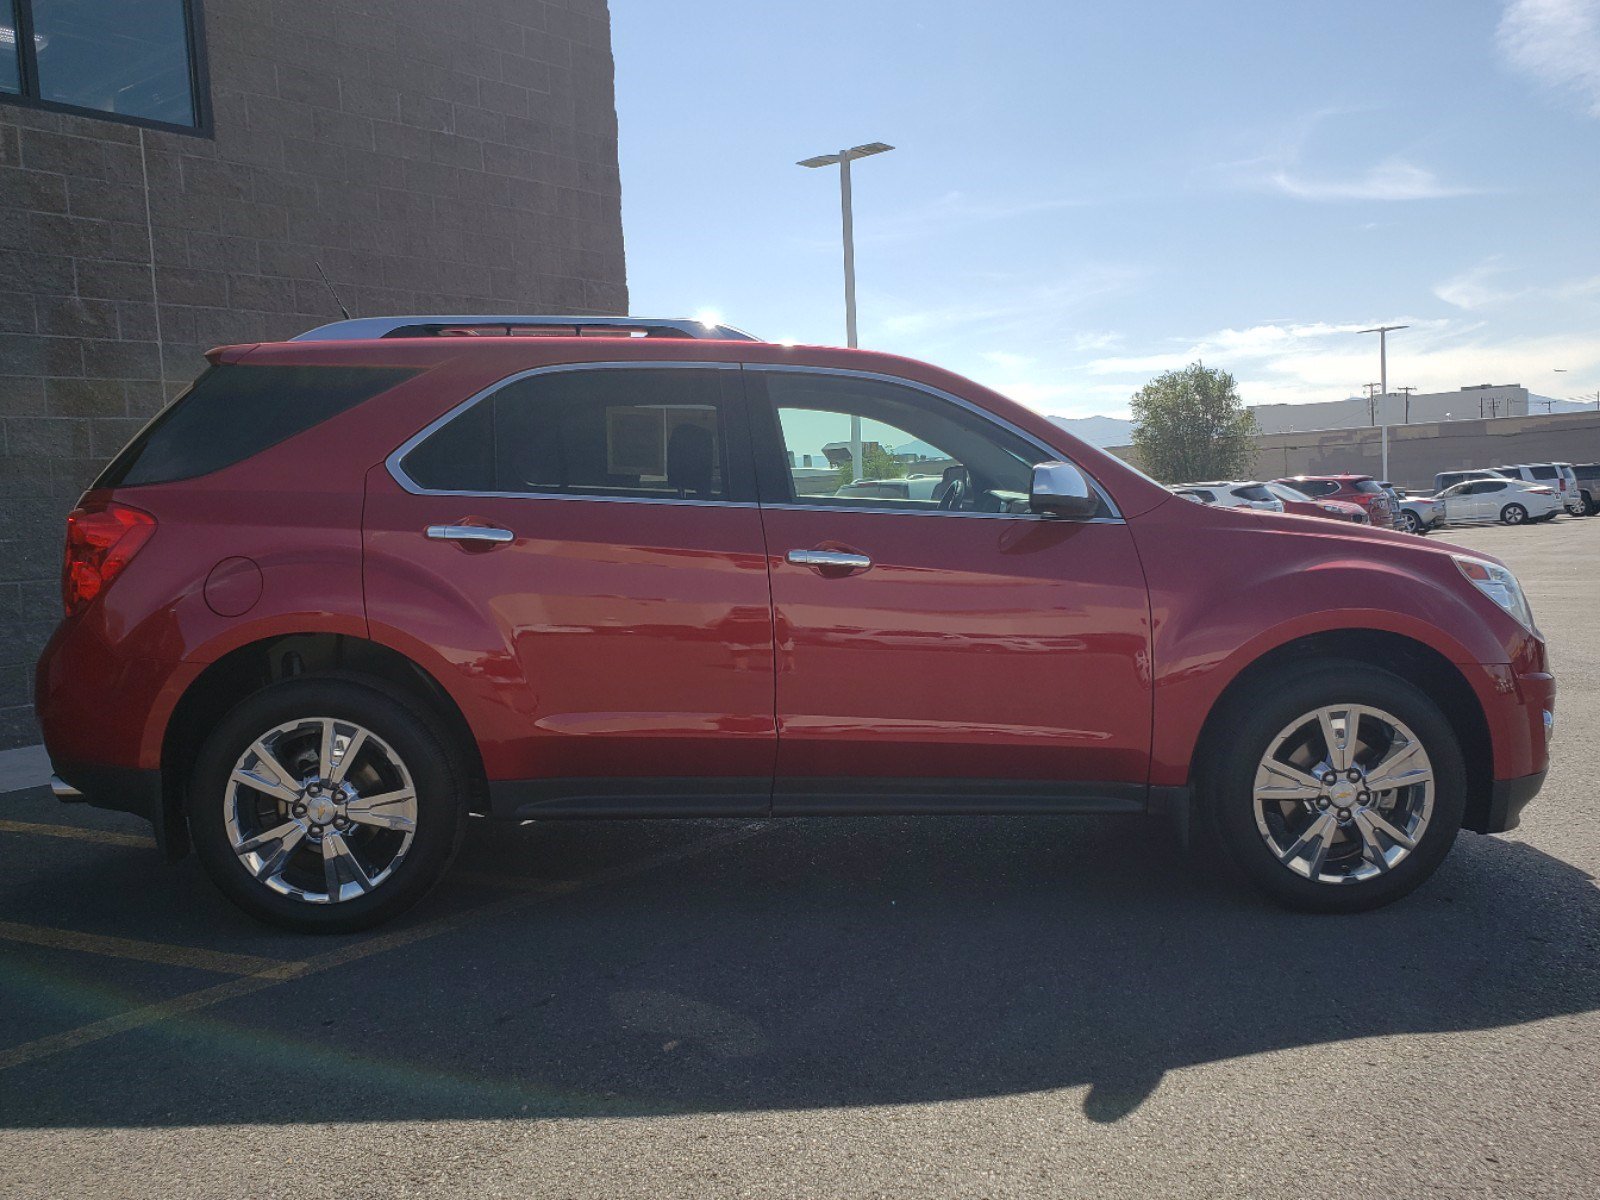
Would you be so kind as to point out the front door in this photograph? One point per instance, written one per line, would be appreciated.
(583, 547)
(938, 645)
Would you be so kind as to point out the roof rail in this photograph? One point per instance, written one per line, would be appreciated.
(501, 325)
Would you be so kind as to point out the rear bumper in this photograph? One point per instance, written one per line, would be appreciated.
(119, 789)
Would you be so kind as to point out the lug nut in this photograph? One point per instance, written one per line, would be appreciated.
(1322, 802)
(1344, 814)
(1353, 775)
(299, 810)
(1330, 778)
(1364, 797)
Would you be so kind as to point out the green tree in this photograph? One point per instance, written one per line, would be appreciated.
(1190, 425)
(876, 463)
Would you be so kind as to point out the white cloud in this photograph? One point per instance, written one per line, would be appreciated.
(1557, 42)
(1392, 179)
(1479, 288)
(1476, 288)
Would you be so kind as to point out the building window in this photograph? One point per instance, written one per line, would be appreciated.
(132, 60)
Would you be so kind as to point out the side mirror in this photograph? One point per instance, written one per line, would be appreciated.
(1060, 490)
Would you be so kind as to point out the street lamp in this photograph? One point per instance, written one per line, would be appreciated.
(1383, 332)
(844, 158)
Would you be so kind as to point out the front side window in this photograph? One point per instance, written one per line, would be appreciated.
(867, 443)
(135, 59)
(625, 433)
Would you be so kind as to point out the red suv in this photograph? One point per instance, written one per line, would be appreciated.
(1361, 490)
(351, 588)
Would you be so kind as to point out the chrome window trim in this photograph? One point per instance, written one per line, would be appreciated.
(405, 481)
(1051, 455)
(392, 463)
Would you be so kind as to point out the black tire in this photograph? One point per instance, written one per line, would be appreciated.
(1408, 522)
(1513, 514)
(1589, 507)
(1251, 722)
(439, 777)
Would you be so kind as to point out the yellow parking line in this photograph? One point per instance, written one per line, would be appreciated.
(150, 1014)
(153, 952)
(71, 831)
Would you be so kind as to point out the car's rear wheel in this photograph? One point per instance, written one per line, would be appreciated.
(1406, 521)
(1513, 514)
(1339, 788)
(324, 805)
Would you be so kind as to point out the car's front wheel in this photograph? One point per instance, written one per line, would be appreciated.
(1340, 787)
(322, 804)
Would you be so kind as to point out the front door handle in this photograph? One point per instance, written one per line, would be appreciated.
(470, 533)
(828, 558)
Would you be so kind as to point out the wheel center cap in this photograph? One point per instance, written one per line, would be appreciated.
(1344, 793)
(321, 809)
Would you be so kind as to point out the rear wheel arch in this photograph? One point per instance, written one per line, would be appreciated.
(1413, 661)
(246, 670)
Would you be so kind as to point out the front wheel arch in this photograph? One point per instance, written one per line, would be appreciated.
(1414, 661)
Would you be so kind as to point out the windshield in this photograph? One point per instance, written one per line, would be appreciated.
(1284, 492)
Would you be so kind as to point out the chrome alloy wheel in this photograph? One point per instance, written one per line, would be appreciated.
(1344, 794)
(320, 809)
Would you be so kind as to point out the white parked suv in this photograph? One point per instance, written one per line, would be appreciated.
(1508, 501)
(1557, 475)
(1231, 494)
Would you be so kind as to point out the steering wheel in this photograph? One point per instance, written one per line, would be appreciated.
(954, 496)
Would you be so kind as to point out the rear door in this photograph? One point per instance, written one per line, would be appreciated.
(951, 653)
(582, 544)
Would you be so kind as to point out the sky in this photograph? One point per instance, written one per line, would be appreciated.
(1083, 195)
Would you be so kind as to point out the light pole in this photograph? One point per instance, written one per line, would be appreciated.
(843, 159)
(1383, 332)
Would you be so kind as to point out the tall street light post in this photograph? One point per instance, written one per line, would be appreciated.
(843, 159)
(1383, 332)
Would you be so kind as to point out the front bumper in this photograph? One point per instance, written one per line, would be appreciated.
(1507, 799)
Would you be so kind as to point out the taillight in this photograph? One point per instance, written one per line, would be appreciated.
(101, 539)
(1541, 491)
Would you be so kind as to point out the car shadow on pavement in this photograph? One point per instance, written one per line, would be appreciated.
(877, 961)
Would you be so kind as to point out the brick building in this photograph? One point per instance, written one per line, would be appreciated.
(172, 172)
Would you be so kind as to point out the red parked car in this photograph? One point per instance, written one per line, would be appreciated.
(1361, 490)
(1297, 503)
(351, 588)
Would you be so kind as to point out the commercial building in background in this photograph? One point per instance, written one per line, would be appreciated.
(1483, 401)
(173, 172)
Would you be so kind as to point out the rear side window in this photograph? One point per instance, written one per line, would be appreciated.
(1253, 493)
(1544, 472)
(1368, 487)
(1318, 487)
(235, 411)
(645, 433)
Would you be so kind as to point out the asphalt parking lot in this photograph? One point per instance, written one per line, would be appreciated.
(975, 1007)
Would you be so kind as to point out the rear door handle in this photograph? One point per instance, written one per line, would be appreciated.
(828, 558)
(470, 533)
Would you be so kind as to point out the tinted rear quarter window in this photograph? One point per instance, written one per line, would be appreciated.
(235, 411)
(627, 433)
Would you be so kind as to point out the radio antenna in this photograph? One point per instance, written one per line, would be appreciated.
(343, 311)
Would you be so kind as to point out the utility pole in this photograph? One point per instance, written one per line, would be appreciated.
(1372, 402)
(1407, 391)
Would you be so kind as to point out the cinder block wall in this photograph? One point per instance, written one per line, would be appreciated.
(433, 155)
(1418, 452)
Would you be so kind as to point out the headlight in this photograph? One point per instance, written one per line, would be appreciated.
(1500, 585)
